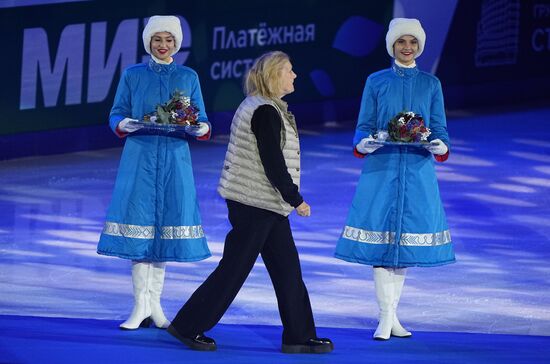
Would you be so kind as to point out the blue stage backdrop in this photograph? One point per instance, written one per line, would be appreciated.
(497, 53)
(65, 59)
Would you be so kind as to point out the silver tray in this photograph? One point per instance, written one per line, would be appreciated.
(152, 126)
(416, 144)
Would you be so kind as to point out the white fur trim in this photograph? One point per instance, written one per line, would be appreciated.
(162, 23)
(412, 65)
(404, 26)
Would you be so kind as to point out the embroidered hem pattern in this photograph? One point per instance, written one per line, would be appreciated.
(388, 237)
(148, 232)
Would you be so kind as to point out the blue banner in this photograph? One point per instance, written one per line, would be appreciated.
(61, 70)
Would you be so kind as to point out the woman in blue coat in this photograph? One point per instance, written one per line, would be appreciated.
(396, 219)
(154, 214)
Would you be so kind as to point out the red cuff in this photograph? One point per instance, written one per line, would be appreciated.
(206, 136)
(442, 157)
(119, 133)
(358, 154)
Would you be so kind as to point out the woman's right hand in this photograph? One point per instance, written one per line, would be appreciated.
(127, 126)
(303, 209)
(366, 146)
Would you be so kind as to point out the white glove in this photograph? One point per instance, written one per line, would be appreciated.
(382, 135)
(197, 130)
(126, 126)
(437, 147)
(364, 146)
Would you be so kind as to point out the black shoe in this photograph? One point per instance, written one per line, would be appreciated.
(314, 345)
(195, 342)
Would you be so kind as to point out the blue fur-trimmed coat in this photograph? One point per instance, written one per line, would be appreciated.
(154, 212)
(396, 218)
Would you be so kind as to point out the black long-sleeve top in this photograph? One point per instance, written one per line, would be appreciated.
(266, 125)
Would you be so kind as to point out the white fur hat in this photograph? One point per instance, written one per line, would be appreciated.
(404, 26)
(162, 23)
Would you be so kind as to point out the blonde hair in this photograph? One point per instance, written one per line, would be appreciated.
(263, 78)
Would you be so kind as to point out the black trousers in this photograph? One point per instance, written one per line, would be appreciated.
(254, 231)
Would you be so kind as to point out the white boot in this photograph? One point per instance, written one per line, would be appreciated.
(142, 308)
(384, 287)
(156, 283)
(398, 281)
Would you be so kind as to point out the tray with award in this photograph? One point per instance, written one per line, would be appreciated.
(172, 118)
(404, 129)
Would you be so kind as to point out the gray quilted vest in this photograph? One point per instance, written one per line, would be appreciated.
(243, 177)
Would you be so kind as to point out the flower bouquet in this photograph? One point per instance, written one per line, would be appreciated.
(405, 128)
(408, 127)
(173, 116)
(178, 111)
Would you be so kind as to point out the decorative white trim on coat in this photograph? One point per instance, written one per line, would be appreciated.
(182, 232)
(387, 237)
(148, 232)
(129, 231)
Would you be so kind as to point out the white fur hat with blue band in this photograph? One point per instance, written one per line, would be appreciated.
(405, 26)
(162, 23)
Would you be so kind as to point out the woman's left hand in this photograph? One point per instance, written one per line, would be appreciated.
(197, 130)
(303, 209)
(437, 147)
